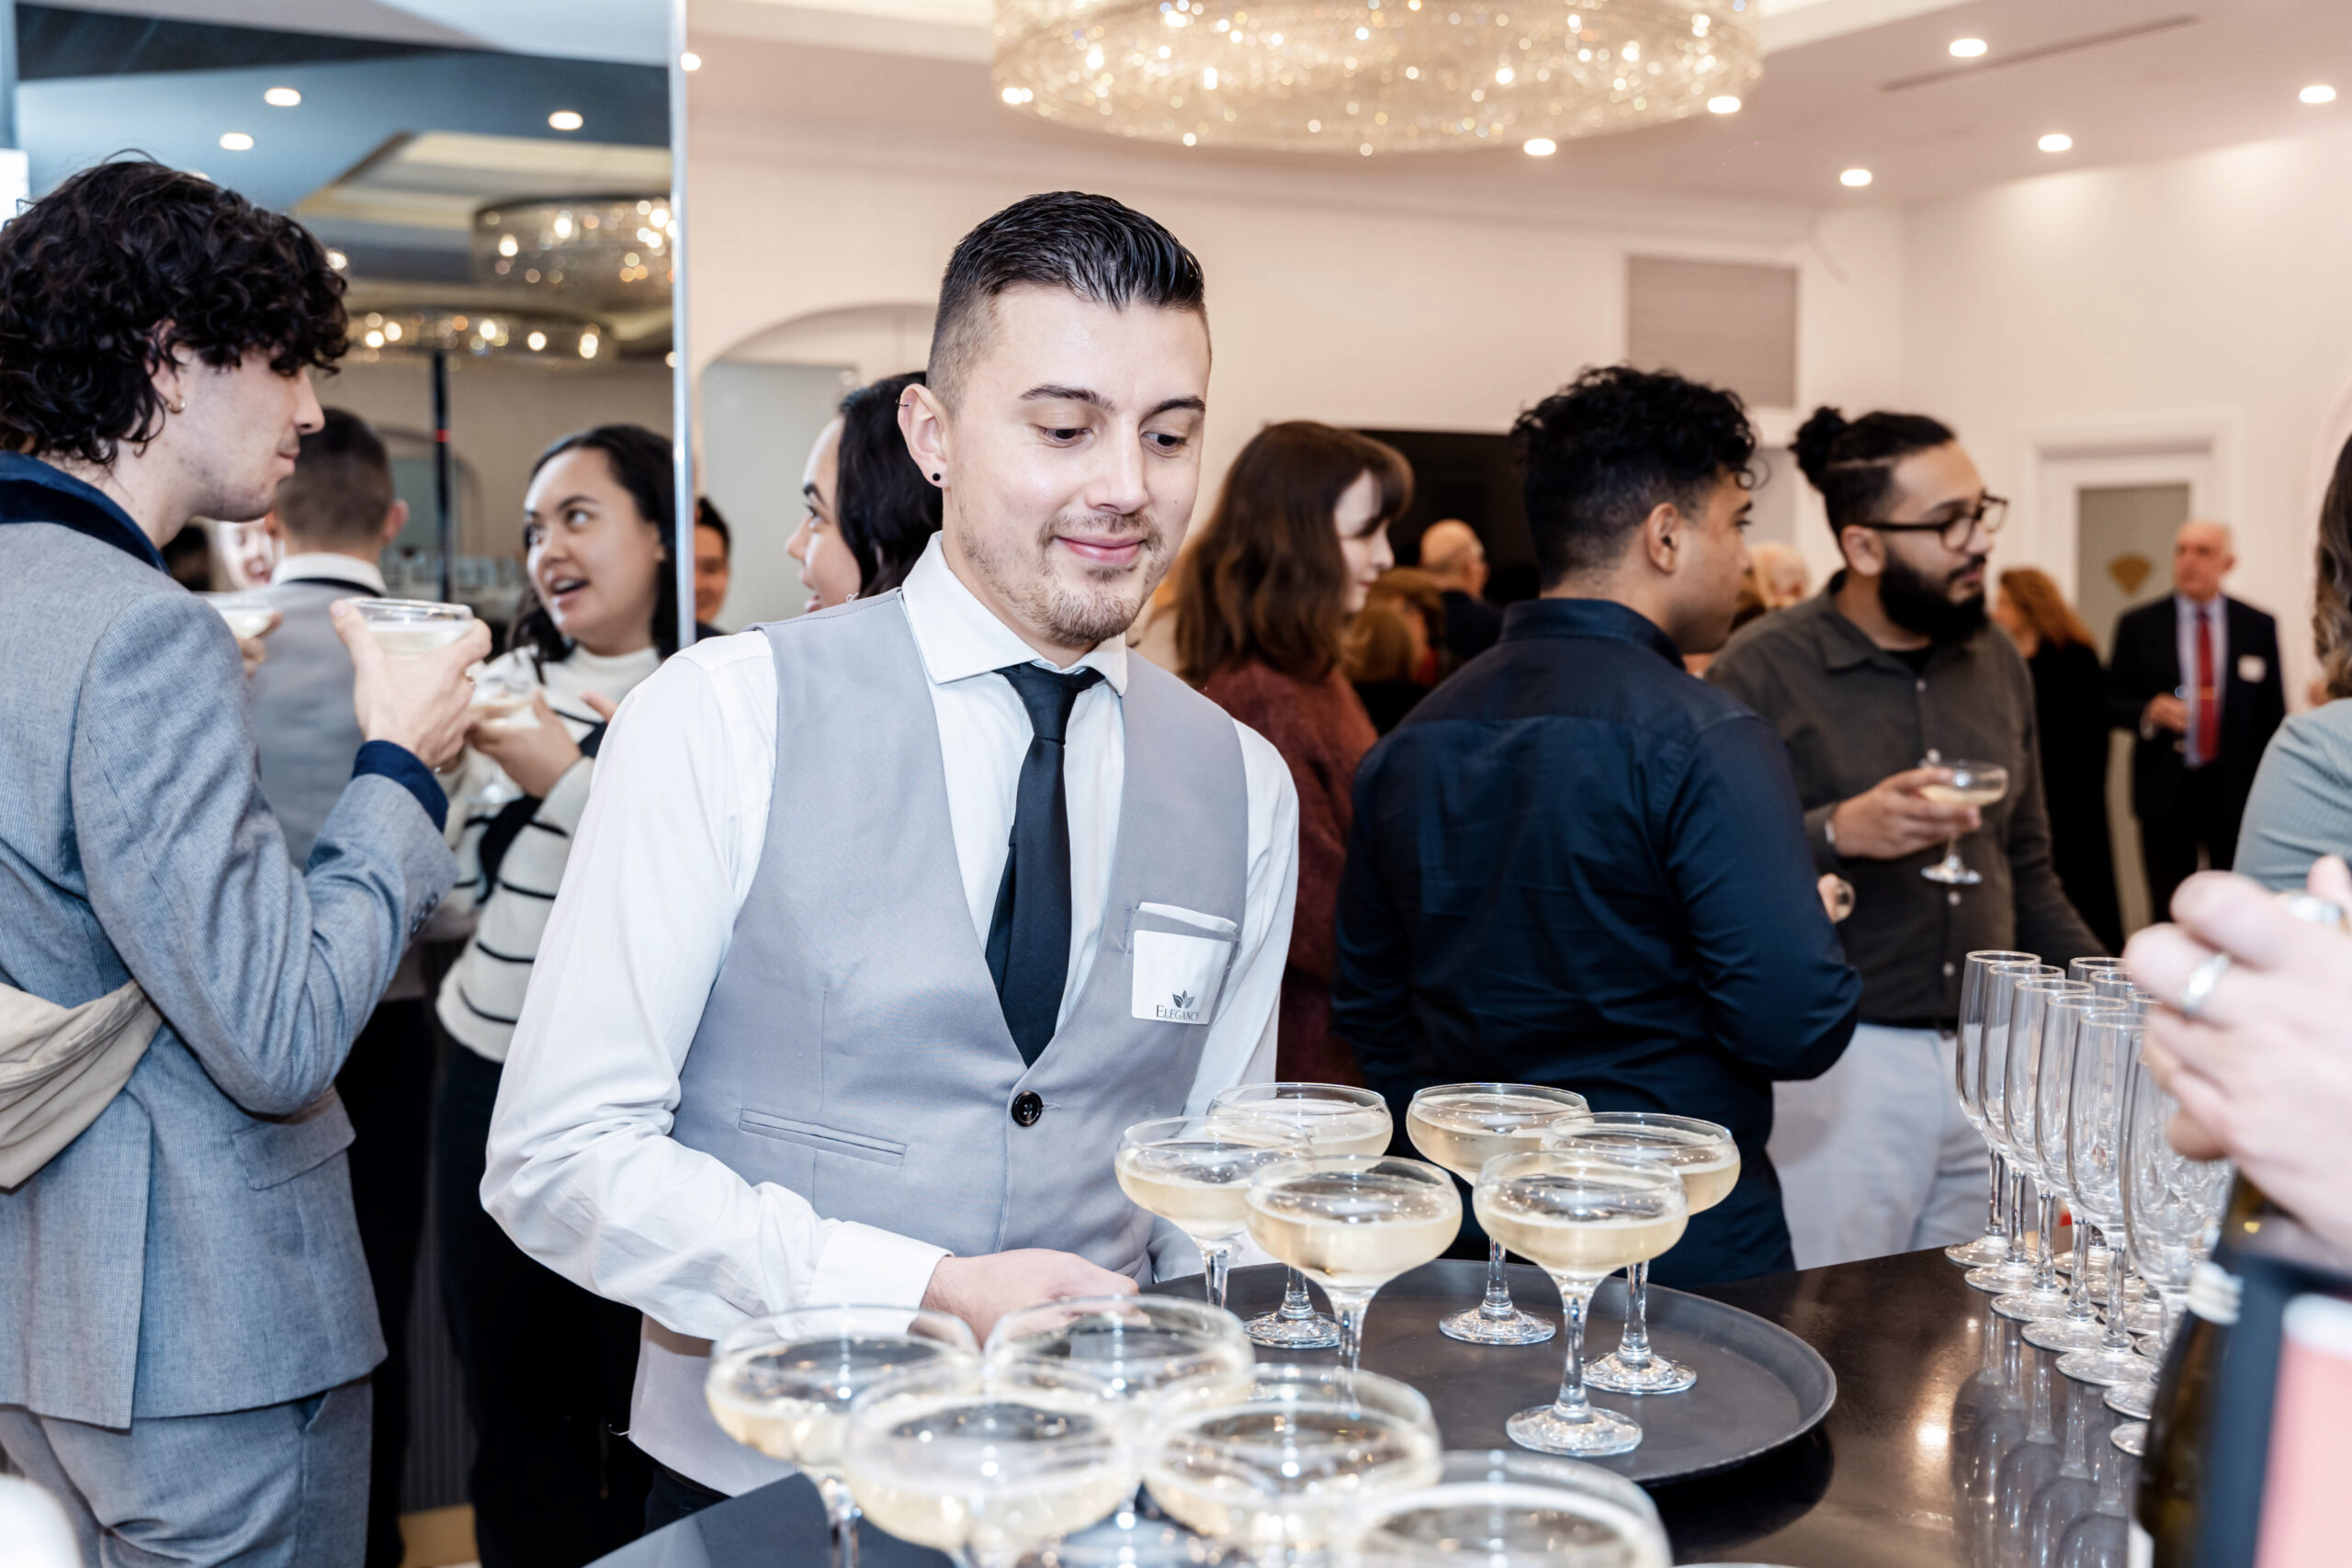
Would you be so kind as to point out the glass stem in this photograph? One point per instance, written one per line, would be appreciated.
(1996, 1223)
(1496, 1306)
(2079, 1295)
(2115, 1338)
(1216, 1259)
(1575, 1297)
(841, 1519)
(2013, 1191)
(2045, 1254)
(1297, 1306)
(1634, 1346)
(1348, 1306)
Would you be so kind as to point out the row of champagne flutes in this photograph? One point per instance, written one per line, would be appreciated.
(1036, 1444)
(2050, 1071)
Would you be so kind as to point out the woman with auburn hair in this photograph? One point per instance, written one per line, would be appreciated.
(2070, 714)
(1299, 535)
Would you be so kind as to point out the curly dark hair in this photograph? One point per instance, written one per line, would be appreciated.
(1600, 455)
(1851, 462)
(888, 510)
(103, 280)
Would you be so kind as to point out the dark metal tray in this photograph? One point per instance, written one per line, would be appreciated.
(1759, 1387)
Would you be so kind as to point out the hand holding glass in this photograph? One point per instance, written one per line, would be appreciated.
(1970, 784)
(1194, 1172)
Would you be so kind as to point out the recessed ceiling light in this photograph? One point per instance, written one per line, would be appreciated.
(566, 119)
(1967, 48)
(1855, 177)
(1728, 103)
(2057, 141)
(690, 60)
(2318, 93)
(1539, 147)
(236, 142)
(282, 97)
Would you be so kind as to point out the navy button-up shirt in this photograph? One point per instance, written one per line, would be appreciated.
(1575, 865)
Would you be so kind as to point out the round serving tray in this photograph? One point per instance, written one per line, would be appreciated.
(1759, 1387)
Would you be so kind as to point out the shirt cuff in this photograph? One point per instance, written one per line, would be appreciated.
(865, 1265)
(406, 769)
(1825, 856)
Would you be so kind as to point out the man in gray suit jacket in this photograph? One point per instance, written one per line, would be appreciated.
(185, 1328)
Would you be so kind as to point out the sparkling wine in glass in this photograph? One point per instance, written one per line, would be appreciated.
(1352, 1223)
(783, 1385)
(1975, 996)
(503, 699)
(1461, 1126)
(1500, 1508)
(409, 626)
(1151, 1354)
(248, 613)
(1972, 783)
(987, 1463)
(1704, 1156)
(1581, 1218)
(1290, 1467)
(1194, 1171)
(1334, 1118)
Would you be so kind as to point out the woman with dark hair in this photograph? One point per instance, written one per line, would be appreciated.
(870, 508)
(2070, 711)
(547, 1366)
(2300, 805)
(1299, 535)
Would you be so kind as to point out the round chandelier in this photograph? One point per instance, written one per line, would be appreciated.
(588, 253)
(556, 339)
(1368, 76)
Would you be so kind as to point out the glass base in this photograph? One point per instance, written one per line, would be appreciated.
(2033, 1307)
(1952, 874)
(2131, 1438)
(1314, 1332)
(2064, 1332)
(2107, 1368)
(1657, 1375)
(1600, 1432)
(2137, 1400)
(1474, 1328)
(1984, 1252)
(2004, 1279)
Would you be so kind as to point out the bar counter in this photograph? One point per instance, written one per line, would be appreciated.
(1952, 1442)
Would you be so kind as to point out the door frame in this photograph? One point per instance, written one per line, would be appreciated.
(2198, 449)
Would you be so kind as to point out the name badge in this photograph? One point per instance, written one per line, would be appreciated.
(2252, 667)
(1177, 977)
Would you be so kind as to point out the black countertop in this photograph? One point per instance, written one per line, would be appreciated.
(1949, 1445)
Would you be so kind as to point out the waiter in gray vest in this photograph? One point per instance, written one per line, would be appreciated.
(884, 921)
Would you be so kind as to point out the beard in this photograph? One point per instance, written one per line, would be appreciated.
(1102, 603)
(1917, 603)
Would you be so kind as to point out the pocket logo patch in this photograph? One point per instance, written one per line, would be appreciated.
(1177, 977)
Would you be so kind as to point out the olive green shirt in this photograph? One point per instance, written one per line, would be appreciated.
(1851, 713)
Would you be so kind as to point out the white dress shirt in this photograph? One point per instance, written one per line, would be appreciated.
(581, 1170)
(312, 566)
(2184, 613)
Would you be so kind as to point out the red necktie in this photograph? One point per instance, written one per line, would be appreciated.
(2208, 740)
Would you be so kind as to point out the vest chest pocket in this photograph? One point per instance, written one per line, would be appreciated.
(1180, 959)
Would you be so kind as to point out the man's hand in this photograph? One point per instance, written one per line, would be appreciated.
(981, 1290)
(1891, 819)
(2165, 712)
(417, 701)
(250, 647)
(535, 757)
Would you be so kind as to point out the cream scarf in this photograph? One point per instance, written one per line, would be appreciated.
(61, 1067)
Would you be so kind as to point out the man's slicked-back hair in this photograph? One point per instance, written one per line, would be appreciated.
(1102, 251)
(341, 490)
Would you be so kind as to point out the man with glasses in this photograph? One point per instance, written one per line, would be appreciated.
(1889, 671)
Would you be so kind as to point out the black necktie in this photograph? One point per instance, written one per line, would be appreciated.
(1029, 935)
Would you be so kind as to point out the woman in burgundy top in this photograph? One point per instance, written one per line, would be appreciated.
(1300, 532)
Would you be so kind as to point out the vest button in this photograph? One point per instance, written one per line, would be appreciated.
(1027, 1108)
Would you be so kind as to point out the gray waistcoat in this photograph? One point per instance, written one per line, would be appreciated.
(854, 1049)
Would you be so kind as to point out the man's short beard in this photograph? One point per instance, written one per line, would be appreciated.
(1073, 617)
(1915, 602)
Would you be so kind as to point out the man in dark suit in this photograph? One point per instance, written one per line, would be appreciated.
(1456, 562)
(2196, 676)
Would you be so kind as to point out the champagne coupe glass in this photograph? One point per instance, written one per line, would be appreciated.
(246, 611)
(1581, 1218)
(1289, 1467)
(1492, 1509)
(503, 700)
(1703, 1155)
(1972, 783)
(1334, 1118)
(2102, 1072)
(1153, 1352)
(403, 626)
(1975, 993)
(1461, 1126)
(1194, 1171)
(2078, 1327)
(2021, 1091)
(784, 1386)
(987, 1463)
(2171, 1208)
(2015, 1272)
(1352, 1223)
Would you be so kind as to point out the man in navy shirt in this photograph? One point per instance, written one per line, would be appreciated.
(1575, 865)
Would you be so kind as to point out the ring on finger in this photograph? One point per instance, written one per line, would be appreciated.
(2201, 981)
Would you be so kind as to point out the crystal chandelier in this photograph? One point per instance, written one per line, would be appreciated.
(1371, 75)
(589, 253)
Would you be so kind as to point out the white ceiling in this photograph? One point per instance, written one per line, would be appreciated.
(1847, 84)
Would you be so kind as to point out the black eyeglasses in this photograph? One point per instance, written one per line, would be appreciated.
(1989, 513)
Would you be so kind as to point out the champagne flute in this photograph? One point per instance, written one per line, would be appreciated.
(1707, 1159)
(2015, 1272)
(2171, 1208)
(2021, 1091)
(1334, 1118)
(1972, 783)
(1461, 1126)
(1194, 1171)
(1152, 1352)
(1976, 995)
(784, 1385)
(1287, 1467)
(1497, 1509)
(987, 1463)
(2102, 1071)
(1352, 1223)
(2078, 1327)
(2090, 969)
(1581, 1218)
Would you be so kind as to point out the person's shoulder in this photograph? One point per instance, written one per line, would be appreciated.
(2253, 614)
(2321, 734)
(1775, 636)
(2137, 617)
